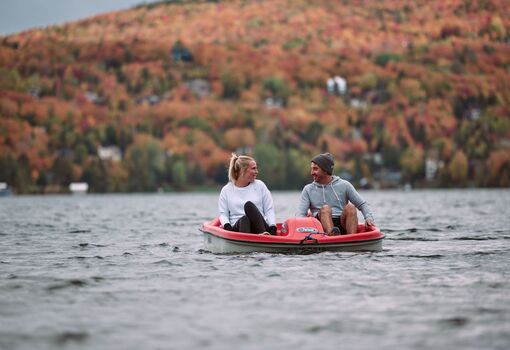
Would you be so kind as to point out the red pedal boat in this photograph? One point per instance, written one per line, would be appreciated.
(295, 235)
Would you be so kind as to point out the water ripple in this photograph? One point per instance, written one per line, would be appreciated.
(130, 271)
(72, 283)
(64, 338)
(455, 322)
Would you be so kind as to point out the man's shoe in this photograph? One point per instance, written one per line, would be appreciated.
(335, 231)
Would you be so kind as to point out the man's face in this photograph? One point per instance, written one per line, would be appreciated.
(317, 173)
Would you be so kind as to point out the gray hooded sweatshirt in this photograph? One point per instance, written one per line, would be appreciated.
(336, 194)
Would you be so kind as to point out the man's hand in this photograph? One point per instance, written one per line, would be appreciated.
(369, 222)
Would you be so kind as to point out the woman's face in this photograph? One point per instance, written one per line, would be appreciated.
(250, 172)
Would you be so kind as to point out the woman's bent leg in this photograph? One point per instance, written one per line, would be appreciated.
(243, 225)
(258, 224)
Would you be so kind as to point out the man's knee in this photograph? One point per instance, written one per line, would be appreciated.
(350, 209)
(325, 210)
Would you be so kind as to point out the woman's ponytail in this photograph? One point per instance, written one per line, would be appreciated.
(236, 164)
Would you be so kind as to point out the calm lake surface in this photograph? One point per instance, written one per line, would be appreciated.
(130, 272)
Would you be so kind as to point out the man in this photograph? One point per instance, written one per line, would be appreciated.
(328, 197)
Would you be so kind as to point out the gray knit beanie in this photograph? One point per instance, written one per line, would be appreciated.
(325, 161)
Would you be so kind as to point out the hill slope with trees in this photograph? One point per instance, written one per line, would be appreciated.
(158, 96)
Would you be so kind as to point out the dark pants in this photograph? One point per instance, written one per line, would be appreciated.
(252, 221)
(336, 222)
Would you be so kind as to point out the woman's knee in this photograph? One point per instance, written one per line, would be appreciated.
(248, 205)
(251, 210)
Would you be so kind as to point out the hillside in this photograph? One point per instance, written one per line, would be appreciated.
(158, 96)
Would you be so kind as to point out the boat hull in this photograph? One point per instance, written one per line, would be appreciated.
(219, 245)
(295, 236)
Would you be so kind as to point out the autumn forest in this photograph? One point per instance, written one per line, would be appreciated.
(157, 97)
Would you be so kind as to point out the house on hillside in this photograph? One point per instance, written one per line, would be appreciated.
(273, 102)
(35, 91)
(149, 100)
(65, 153)
(4, 190)
(200, 87)
(376, 158)
(431, 168)
(357, 103)
(94, 98)
(474, 113)
(432, 165)
(180, 53)
(336, 86)
(386, 178)
(469, 110)
(78, 187)
(244, 150)
(109, 153)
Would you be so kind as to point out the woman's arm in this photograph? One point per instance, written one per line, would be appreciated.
(267, 202)
(223, 207)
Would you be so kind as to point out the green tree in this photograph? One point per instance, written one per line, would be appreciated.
(277, 87)
(458, 169)
(8, 169)
(384, 58)
(62, 171)
(10, 79)
(144, 163)
(16, 172)
(412, 164)
(23, 181)
(197, 175)
(297, 170)
(391, 157)
(313, 132)
(110, 137)
(271, 165)
(179, 174)
(95, 175)
(232, 86)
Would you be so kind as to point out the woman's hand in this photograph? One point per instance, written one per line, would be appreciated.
(228, 227)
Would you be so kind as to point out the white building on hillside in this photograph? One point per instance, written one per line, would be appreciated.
(78, 187)
(337, 85)
(112, 153)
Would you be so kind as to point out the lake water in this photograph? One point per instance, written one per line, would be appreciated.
(130, 272)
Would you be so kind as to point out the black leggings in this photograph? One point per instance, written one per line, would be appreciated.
(252, 221)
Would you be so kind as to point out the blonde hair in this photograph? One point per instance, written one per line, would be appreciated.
(236, 164)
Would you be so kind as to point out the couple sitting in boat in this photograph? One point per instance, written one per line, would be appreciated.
(246, 205)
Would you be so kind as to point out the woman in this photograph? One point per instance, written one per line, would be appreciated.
(245, 203)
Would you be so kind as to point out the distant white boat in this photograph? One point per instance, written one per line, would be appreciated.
(79, 187)
(4, 189)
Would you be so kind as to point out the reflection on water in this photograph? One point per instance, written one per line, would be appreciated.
(129, 271)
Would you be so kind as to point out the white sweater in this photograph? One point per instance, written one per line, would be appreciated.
(232, 200)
